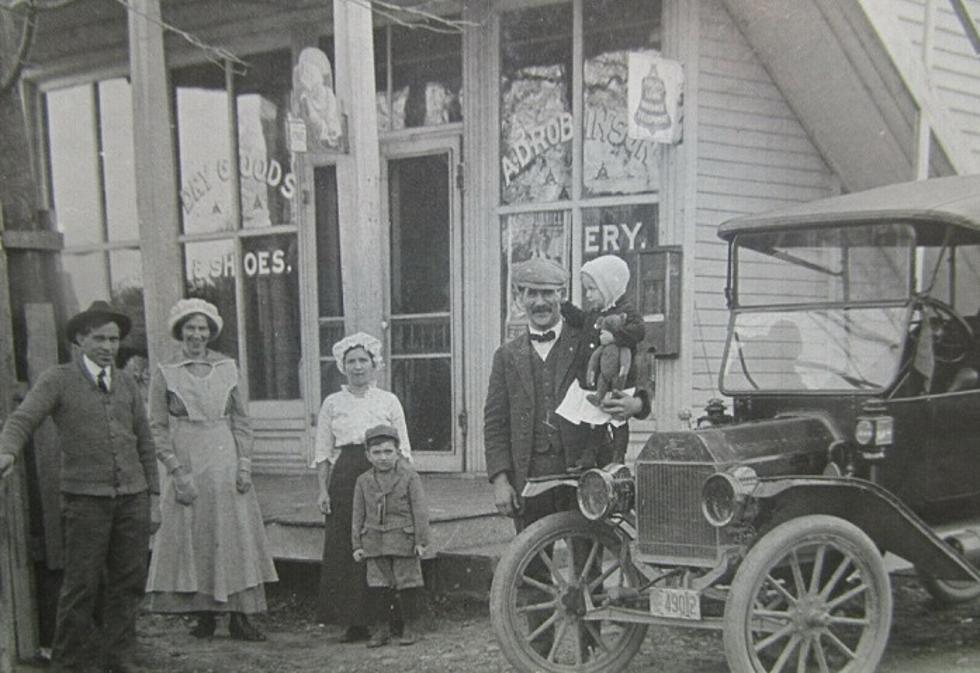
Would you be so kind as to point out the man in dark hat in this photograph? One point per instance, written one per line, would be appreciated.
(108, 468)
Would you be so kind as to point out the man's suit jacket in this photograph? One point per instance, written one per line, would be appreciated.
(508, 415)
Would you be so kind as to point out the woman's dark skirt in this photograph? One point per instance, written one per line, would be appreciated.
(343, 582)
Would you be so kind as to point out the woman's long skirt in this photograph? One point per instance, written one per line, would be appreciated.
(343, 582)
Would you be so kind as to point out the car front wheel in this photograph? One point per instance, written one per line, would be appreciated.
(810, 595)
(541, 593)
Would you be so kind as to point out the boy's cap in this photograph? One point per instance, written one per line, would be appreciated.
(540, 273)
(379, 432)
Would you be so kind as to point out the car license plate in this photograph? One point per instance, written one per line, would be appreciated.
(675, 603)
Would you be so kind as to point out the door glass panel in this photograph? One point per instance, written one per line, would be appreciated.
(421, 340)
(330, 296)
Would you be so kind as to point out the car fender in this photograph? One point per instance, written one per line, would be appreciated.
(889, 522)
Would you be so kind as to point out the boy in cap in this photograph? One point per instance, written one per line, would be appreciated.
(390, 530)
(108, 469)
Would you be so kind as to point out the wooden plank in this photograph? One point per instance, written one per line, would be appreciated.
(18, 607)
(52, 241)
(156, 173)
(359, 173)
(42, 353)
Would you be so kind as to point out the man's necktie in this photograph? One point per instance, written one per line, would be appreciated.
(544, 336)
(101, 382)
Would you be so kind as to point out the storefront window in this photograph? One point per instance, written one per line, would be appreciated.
(614, 32)
(272, 316)
(265, 267)
(86, 279)
(619, 230)
(262, 98)
(74, 157)
(116, 133)
(204, 149)
(544, 234)
(536, 104)
(90, 152)
(418, 72)
(209, 273)
(427, 74)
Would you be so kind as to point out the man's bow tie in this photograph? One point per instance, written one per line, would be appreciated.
(544, 336)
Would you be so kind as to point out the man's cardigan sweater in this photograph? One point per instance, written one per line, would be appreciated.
(104, 438)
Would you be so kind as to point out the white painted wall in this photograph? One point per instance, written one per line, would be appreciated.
(753, 155)
(955, 68)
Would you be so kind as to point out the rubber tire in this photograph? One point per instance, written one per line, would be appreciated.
(505, 621)
(775, 546)
(948, 593)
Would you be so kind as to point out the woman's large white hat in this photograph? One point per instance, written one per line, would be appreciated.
(185, 308)
(358, 340)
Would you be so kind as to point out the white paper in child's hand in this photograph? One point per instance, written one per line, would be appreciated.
(577, 409)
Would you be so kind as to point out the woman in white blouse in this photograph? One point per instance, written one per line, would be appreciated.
(340, 459)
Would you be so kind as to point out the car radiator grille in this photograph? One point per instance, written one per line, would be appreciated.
(670, 526)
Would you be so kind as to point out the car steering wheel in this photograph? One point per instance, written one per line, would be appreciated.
(952, 336)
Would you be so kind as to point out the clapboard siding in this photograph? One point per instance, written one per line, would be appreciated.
(955, 68)
(753, 155)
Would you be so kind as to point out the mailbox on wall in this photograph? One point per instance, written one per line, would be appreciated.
(657, 286)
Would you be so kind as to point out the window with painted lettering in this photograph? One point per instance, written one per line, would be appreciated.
(93, 194)
(588, 108)
(621, 45)
(238, 210)
(536, 124)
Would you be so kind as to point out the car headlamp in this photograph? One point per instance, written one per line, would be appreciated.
(724, 494)
(875, 431)
(605, 491)
(864, 431)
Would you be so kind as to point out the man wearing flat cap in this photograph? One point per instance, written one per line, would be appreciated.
(523, 436)
(108, 469)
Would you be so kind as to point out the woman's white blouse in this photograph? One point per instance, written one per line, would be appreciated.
(344, 417)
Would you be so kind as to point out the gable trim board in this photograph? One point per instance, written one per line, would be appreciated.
(852, 93)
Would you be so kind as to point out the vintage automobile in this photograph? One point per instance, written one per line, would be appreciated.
(852, 368)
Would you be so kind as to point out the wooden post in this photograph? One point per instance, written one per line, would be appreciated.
(18, 608)
(359, 173)
(42, 353)
(156, 172)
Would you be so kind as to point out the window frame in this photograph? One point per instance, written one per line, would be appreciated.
(265, 408)
(577, 201)
(37, 92)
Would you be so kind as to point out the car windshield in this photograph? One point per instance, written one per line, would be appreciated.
(819, 265)
(829, 349)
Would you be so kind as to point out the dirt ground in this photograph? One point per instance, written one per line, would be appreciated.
(457, 639)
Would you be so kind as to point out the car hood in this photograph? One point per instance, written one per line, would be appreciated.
(793, 445)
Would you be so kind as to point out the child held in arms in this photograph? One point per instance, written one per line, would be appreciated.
(390, 531)
(610, 322)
